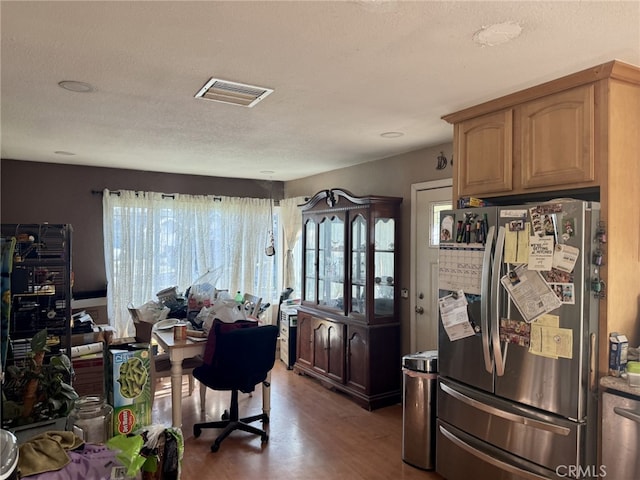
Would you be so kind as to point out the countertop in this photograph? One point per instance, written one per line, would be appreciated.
(620, 384)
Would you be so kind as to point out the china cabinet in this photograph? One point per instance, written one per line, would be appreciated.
(348, 333)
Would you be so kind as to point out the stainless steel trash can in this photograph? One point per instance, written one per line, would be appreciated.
(420, 382)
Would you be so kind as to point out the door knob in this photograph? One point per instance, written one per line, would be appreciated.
(419, 310)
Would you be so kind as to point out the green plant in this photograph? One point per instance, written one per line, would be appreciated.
(34, 390)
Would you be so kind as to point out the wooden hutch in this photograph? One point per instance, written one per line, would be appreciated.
(348, 323)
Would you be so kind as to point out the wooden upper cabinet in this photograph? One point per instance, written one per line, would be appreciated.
(485, 154)
(542, 145)
(542, 139)
(557, 135)
(580, 131)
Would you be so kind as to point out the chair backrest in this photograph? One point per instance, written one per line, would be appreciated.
(252, 304)
(143, 331)
(243, 357)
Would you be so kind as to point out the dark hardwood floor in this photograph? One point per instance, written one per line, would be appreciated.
(314, 434)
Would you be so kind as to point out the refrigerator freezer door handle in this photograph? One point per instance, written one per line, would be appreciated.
(512, 417)
(500, 357)
(484, 289)
(593, 384)
(630, 414)
(488, 458)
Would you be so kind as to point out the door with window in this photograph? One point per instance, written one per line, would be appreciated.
(428, 200)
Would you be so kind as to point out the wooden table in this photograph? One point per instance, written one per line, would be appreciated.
(178, 351)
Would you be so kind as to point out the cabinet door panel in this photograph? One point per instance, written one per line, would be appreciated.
(320, 347)
(357, 359)
(335, 369)
(328, 349)
(484, 149)
(558, 139)
(305, 338)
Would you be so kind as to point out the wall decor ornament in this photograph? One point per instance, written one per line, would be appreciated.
(442, 161)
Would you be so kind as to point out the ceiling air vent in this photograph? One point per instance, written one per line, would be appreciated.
(233, 93)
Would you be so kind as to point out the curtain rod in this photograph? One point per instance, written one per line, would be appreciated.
(164, 195)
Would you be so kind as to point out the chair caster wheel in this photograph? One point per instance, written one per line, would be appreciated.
(197, 431)
(264, 438)
(225, 415)
(215, 447)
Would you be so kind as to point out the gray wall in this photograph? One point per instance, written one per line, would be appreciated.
(389, 177)
(35, 192)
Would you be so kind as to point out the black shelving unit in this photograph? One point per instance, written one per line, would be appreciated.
(40, 285)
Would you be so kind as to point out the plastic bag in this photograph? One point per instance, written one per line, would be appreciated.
(154, 450)
(150, 312)
(203, 292)
(128, 448)
(204, 319)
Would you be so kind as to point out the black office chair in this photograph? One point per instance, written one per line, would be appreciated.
(241, 360)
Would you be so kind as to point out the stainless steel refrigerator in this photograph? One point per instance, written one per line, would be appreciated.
(517, 341)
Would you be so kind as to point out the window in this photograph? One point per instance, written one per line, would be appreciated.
(155, 241)
(434, 220)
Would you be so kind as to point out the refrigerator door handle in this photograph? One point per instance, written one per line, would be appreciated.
(488, 458)
(484, 295)
(512, 417)
(630, 414)
(500, 356)
(593, 384)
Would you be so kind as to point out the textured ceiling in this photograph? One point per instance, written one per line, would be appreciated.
(343, 73)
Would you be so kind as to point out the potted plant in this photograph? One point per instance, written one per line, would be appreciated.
(35, 391)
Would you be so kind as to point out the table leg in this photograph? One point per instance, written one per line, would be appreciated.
(266, 395)
(176, 392)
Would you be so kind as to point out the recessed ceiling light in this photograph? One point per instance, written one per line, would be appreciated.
(391, 134)
(75, 86)
(62, 152)
(267, 172)
(497, 33)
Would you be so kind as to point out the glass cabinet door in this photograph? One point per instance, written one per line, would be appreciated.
(384, 266)
(310, 273)
(358, 264)
(331, 250)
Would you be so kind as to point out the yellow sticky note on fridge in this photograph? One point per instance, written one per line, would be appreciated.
(516, 245)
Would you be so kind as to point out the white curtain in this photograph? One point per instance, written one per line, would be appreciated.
(291, 221)
(155, 241)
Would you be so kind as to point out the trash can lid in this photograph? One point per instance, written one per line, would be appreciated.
(426, 361)
(8, 454)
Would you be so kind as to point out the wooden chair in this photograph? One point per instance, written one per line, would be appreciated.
(161, 365)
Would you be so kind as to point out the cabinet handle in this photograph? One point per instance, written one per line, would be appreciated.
(512, 417)
(630, 414)
(489, 459)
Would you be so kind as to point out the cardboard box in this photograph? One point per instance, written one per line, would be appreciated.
(618, 349)
(468, 202)
(89, 374)
(83, 339)
(129, 388)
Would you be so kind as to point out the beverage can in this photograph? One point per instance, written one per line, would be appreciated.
(180, 332)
